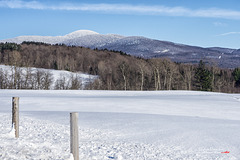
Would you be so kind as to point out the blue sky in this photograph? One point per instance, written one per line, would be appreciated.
(205, 23)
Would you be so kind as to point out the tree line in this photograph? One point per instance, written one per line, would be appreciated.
(12, 77)
(118, 71)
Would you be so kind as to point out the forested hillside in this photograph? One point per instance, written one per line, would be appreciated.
(118, 71)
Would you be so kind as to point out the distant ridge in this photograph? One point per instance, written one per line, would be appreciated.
(51, 39)
(141, 47)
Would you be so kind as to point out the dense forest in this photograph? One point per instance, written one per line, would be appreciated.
(119, 71)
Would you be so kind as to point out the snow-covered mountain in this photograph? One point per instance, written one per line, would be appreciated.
(84, 38)
(51, 39)
(93, 40)
(141, 47)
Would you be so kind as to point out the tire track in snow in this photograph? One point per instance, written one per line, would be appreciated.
(237, 98)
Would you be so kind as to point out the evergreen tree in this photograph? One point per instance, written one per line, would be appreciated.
(203, 77)
(236, 75)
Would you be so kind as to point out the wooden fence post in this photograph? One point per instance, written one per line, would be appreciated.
(15, 115)
(74, 135)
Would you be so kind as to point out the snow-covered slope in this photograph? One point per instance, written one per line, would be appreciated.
(93, 41)
(123, 125)
(79, 33)
(56, 74)
(44, 39)
(51, 39)
(237, 52)
(144, 47)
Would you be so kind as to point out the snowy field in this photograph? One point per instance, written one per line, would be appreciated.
(123, 125)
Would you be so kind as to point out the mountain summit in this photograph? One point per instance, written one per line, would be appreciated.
(80, 33)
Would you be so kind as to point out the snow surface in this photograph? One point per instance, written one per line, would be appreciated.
(80, 33)
(51, 39)
(93, 40)
(122, 125)
(56, 74)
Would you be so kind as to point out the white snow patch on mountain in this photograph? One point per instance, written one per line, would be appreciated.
(166, 50)
(163, 51)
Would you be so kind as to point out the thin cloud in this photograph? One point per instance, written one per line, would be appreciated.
(124, 9)
(229, 33)
(16, 4)
(220, 24)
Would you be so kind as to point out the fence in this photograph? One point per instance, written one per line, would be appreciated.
(74, 141)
